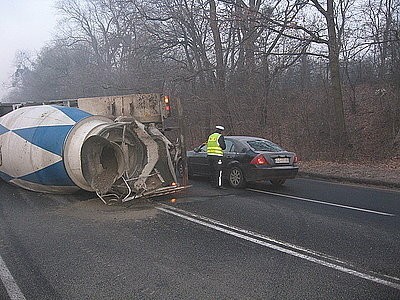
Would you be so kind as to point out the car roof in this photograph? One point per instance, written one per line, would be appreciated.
(244, 137)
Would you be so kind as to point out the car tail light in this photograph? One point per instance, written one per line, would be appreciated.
(259, 160)
(296, 159)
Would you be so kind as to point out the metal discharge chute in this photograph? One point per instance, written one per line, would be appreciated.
(61, 149)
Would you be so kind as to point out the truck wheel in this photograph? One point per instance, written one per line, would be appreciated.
(278, 182)
(236, 178)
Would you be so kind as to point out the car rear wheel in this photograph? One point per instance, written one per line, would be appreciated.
(278, 182)
(236, 178)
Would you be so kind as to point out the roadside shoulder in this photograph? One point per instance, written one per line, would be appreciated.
(386, 173)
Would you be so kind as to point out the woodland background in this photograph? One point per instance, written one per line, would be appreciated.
(319, 77)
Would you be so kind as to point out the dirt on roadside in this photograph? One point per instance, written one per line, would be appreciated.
(385, 172)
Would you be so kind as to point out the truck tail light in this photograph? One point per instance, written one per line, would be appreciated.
(259, 160)
(167, 106)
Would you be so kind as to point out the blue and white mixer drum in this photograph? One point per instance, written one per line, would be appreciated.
(52, 149)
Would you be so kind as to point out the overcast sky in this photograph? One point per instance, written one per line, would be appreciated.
(24, 25)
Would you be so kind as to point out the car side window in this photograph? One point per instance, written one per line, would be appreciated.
(230, 147)
(203, 148)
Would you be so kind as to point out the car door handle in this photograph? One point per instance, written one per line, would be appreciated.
(229, 156)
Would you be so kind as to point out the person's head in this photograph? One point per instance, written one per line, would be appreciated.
(219, 128)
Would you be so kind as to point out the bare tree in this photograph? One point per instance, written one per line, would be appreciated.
(252, 64)
(333, 42)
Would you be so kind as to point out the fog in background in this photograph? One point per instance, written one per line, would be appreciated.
(25, 25)
(321, 77)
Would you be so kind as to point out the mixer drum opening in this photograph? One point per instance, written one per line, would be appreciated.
(102, 163)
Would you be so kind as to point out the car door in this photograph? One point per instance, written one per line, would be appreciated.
(229, 152)
(198, 161)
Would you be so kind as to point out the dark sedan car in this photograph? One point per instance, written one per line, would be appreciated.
(247, 159)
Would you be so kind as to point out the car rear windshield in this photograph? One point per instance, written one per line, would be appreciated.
(264, 145)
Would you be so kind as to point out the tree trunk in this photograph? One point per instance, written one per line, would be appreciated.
(335, 78)
(220, 70)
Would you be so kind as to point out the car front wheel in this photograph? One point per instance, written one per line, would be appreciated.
(236, 178)
(180, 168)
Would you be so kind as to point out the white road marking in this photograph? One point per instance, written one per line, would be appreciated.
(9, 283)
(312, 256)
(324, 203)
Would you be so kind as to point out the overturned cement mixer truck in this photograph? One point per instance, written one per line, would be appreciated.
(109, 145)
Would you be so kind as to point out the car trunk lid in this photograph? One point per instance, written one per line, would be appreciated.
(282, 158)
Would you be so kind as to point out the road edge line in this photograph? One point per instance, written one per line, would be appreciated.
(170, 210)
(323, 203)
(13, 290)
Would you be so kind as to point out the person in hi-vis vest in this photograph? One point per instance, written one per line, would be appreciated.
(215, 154)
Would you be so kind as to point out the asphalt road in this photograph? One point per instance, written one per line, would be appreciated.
(308, 240)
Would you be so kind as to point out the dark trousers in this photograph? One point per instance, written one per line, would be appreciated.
(215, 163)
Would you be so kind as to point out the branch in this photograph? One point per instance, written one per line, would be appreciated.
(319, 7)
(305, 53)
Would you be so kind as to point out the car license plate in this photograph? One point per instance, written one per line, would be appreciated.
(282, 160)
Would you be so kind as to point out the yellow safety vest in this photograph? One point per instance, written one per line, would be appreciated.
(213, 147)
